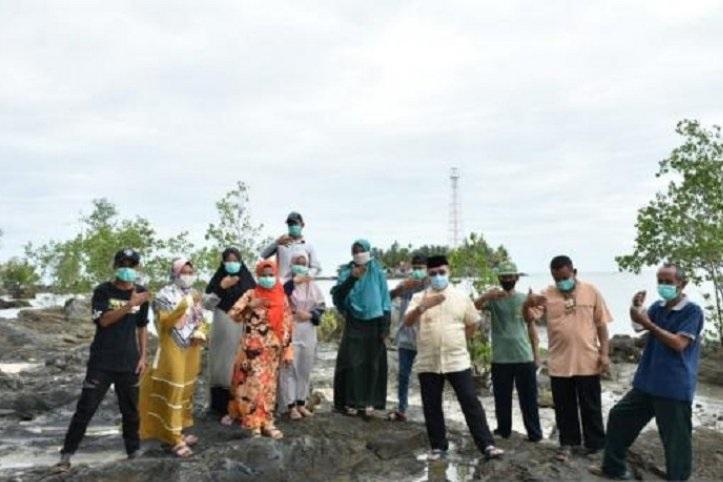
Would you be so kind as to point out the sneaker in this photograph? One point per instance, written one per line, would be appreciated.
(499, 433)
(436, 454)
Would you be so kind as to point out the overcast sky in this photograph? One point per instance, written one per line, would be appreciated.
(556, 113)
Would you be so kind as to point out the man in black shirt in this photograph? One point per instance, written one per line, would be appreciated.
(117, 354)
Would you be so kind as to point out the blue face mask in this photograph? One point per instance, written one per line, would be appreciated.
(267, 282)
(300, 269)
(566, 284)
(295, 230)
(232, 267)
(128, 275)
(668, 292)
(439, 281)
(419, 274)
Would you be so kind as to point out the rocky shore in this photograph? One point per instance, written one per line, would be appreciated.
(43, 355)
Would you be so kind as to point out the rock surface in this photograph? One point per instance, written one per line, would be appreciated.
(36, 405)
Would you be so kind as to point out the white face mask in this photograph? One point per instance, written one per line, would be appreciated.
(186, 281)
(362, 258)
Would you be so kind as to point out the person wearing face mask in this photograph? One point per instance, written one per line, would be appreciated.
(231, 280)
(446, 318)
(307, 305)
(264, 348)
(292, 244)
(362, 296)
(515, 354)
(577, 318)
(665, 381)
(117, 354)
(406, 336)
(167, 388)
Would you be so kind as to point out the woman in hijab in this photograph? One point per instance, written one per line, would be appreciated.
(265, 345)
(228, 284)
(166, 392)
(361, 295)
(307, 306)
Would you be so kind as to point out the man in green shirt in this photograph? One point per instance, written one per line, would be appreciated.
(515, 354)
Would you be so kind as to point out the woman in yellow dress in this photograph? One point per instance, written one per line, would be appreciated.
(265, 346)
(167, 387)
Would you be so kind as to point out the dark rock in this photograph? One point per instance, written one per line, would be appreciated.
(710, 369)
(625, 349)
(9, 304)
(77, 309)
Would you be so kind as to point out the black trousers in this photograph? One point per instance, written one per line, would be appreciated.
(95, 386)
(628, 417)
(578, 398)
(220, 397)
(432, 387)
(505, 376)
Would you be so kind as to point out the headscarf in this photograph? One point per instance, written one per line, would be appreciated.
(306, 295)
(229, 296)
(276, 297)
(169, 297)
(369, 298)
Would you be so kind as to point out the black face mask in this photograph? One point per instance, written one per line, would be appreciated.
(508, 285)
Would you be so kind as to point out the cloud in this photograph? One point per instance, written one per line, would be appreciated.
(353, 113)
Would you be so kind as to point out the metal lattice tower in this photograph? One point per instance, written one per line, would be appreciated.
(455, 227)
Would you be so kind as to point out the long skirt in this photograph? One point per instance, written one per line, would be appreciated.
(295, 380)
(223, 343)
(360, 377)
(254, 386)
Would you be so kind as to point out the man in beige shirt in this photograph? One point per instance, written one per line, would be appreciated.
(446, 316)
(577, 334)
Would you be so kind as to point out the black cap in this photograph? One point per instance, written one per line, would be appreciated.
(294, 218)
(126, 254)
(437, 261)
(419, 259)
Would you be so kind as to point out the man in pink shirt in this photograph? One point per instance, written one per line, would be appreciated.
(577, 334)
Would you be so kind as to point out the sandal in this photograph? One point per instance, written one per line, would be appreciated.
(564, 454)
(273, 432)
(294, 414)
(226, 421)
(305, 412)
(255, 433)
(182, 450)
(396, 416)
(61, 467)
(492, 452)
(352, 412)
(190, 440)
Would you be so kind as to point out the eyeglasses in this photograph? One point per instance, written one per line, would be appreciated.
(570, 304)
(435, 272)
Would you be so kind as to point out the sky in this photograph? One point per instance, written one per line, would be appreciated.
(556, 113)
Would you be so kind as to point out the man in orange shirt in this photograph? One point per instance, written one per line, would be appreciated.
(577, 334)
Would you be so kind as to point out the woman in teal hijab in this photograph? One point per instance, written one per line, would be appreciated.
(361, 295)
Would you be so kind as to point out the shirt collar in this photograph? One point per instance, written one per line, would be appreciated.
(679, 306)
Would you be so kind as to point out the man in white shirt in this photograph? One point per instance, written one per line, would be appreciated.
(290, 245)
(446, 317)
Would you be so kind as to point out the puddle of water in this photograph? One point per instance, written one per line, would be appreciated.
(18, 367)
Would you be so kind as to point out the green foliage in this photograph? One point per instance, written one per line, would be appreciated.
(684, 223)
(18, 277)
(331, 326)
(79, 263)
(474, 259)
(234, 228)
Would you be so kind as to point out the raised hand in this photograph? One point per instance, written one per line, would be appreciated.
(284, 240)
(137, 299)
(358, 271)
(639, 299)
(229, 281)
(431, 300)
